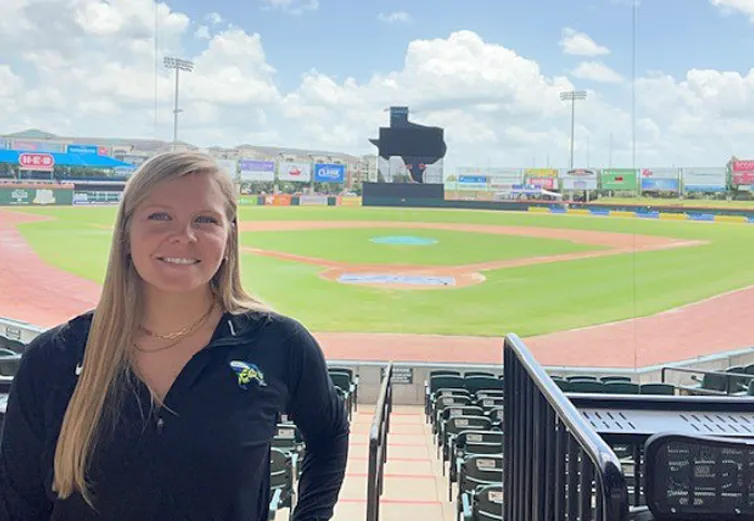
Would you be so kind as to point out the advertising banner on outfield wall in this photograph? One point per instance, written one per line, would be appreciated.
(36, 146)
(81, 150)
(253, 170)
(35, 194)
(660, 180)
(90, 198)
(500, 177)
(705, 179)
(547, 183)
(294, 171)
(540, 172)
(229, 166)
(742, 172)
(312, 200)
(619, 179)
(329, 173)
(579, 179)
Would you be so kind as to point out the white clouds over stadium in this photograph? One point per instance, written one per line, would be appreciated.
(87, 67)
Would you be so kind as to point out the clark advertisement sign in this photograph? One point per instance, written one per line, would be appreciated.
(329, 173)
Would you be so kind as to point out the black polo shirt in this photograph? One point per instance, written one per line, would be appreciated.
(205, 455)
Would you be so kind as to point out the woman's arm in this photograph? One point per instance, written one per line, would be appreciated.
(320, 415)
(22, 492)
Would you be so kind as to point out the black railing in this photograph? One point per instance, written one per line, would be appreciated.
(378, 445)
(556, 466)
(716, 376)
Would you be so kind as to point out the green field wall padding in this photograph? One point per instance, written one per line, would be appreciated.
(29, 196)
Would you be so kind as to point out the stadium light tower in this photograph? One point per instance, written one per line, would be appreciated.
(179, 65)
(573, 96)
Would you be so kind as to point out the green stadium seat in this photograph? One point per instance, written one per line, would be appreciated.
(605, 379)
(477, 471)
(281, 478)
(472, 443)
(621, 387)
(658, 388)
(586, 386)
(484, 504)
(479, 373)
(478, 383)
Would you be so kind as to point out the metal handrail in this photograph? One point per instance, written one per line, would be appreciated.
(556, 465)
(378, 445)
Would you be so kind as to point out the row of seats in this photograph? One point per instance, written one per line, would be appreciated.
(10, 355)
(466, 417)
(741, 385)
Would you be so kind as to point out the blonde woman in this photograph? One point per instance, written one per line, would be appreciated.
(162, 402)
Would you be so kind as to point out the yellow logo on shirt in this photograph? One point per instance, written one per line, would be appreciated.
(246, 373)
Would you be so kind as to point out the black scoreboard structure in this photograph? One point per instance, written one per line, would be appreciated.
(408, 151)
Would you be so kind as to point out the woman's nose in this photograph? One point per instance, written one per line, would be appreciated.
(184, 233)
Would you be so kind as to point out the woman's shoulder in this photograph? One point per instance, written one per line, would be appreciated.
(273, 326)
(60, 344)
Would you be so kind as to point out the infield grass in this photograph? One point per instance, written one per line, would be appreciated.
(527, 300)
(355, 246)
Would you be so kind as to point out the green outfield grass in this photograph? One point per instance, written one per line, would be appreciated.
(527, 300)
(353, 246)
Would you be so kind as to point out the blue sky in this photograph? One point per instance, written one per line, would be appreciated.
(346, 38)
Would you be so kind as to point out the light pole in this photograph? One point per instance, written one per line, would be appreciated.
(573, 96)
(179, 65)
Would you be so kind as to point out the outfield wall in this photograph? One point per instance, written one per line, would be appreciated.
(425, 196)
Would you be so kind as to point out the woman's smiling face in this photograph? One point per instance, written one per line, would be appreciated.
(178, 237)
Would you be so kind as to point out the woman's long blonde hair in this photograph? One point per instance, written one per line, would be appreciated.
(117, 315)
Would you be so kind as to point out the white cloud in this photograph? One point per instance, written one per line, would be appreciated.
(93, 73)
(214, 18)
(580, 44)
(296, 7)
(202, 32)
(596, 71)
(730, 6)
(395, 17)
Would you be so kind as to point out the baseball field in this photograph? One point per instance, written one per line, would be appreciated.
(447, 272)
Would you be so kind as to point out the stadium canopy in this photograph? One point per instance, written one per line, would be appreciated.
(61, 159)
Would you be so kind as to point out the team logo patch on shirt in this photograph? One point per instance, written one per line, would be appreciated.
(246, 373)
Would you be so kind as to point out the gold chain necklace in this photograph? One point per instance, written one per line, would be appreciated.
(182, 332)
(187, 331)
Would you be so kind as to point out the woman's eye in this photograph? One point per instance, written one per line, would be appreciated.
(207, 219)
(158, 216)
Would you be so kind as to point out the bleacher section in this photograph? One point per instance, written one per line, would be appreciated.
(526, 445)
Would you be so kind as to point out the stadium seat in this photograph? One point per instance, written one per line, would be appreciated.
(484, 504)
(581, 377)
(9, 362)
(456, 425)
(586, 386)
(289, 440)
(343, 382)
(472, 443)
(281, 478)
(479, 373)
(449, 411)
(605, 379)
(477, 383)
(445, 398)
(475, 471)
(620, 387)
(657, 388)
(354, 378)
